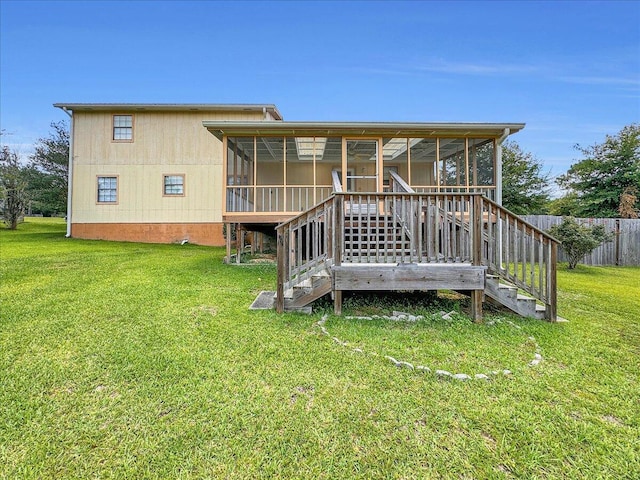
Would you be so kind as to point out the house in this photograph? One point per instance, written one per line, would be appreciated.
(376, 206)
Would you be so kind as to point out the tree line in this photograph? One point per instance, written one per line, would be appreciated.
(38, 185)
(604, 183)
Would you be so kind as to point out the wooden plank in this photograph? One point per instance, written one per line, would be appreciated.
(409, 277)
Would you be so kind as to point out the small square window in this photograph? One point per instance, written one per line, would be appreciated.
(173, 185)
(123, 127)
(107, 189)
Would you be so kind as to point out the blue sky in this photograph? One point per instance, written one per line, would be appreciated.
(569, 70)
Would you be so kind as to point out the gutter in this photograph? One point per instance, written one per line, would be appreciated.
(70, 171)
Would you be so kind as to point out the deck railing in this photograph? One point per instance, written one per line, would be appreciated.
(275, 198)
(406, 227)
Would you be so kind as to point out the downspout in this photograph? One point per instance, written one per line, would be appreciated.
(499, 142)
(70, 172)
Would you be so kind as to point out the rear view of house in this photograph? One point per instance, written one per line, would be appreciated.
(401, 206)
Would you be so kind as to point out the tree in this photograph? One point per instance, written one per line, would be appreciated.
(577, 239)
(525, 187)
(12, 186)
(606, 171)
(49, 175)
(565, 206)
(628, 200)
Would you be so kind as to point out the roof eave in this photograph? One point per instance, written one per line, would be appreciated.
(221, 128)
(183, 107)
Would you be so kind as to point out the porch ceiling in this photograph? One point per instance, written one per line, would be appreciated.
(328, 129)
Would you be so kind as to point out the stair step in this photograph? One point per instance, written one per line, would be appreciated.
(525, 298)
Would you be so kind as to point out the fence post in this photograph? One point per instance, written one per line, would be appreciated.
(617, 233)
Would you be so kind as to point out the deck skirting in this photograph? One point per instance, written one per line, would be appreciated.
(409, 276)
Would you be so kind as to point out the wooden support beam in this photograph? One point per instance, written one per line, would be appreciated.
(476, 306)
(228, 230)
(408, 277)
(337, 302)
(239, 243)
(281, 259)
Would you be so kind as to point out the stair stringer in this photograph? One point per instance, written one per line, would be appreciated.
(507, 295)
(301, 295)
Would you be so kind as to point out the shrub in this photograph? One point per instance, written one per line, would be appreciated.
(578, 239)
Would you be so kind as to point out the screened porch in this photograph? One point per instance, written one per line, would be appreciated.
(274, 170)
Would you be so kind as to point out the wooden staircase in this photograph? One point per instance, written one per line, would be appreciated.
(507, 295)
(301, 295)
(403, 240)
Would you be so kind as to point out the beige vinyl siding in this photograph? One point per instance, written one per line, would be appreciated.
(164, 142)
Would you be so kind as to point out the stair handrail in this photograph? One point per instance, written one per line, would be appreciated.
(547, 255)
(337, 183)
(520, 219)
(398, 184)
(287, 230)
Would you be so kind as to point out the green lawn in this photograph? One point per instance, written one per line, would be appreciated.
(142, 361)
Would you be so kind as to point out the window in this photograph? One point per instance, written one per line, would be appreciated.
(173, 185)
(123, 128)
(107, 189)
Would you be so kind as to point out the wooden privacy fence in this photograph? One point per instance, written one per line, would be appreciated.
(623, 250)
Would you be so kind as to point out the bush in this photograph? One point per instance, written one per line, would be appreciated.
(578, 239)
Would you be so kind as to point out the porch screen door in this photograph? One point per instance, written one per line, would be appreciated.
(362, 166)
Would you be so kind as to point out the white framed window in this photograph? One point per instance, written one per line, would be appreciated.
(173, 185)
(107, 189)
(123, 128)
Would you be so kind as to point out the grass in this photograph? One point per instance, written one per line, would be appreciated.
(122, 360)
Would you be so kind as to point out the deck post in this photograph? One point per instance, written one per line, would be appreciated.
(337, 302)
(239, 243)
(476, 248)
(228, 227)
(338, 235)
(281, 258)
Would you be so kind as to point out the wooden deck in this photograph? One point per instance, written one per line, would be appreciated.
(418, 241)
